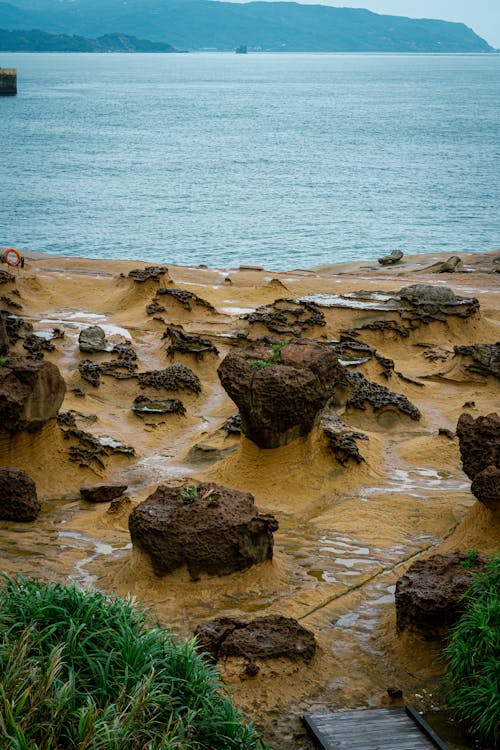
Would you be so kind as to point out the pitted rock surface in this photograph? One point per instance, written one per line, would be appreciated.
(144, 406)
(486, 487)
(280, 402)
(485, 358)
(10, 302)
(4, 338)
(342, 440)
(379, 397)
(185, 298)
(186, 343)
(18, 497)
(429, 596)
(232, 425)
(86, 448)
(287, 316)
(174, 378)
(36, 346)
(102, 493)
(479, 442)
(125, 364)
(269, 637)
(140, 275)
(6, 277)
(16, 327)
(218, 531)
(31, 393)
(90, 371)
(92, 339)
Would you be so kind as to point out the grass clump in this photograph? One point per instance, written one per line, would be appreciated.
(85, 671)
(273, 358)
(193, 494)
(473, 659)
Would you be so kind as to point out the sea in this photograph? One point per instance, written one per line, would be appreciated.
(282, 160)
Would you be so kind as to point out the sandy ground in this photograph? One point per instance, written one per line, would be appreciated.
(345, 535)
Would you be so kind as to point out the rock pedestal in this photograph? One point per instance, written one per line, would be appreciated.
(480, 451)
(209, 528)
(18, 497)
(280, 389)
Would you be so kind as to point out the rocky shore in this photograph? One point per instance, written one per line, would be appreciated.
(272, 460)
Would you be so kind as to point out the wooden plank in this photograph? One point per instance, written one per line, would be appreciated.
(372, 729)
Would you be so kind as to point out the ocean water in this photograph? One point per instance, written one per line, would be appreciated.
(286, 160)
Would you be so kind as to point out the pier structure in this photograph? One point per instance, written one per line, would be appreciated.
(8, 81)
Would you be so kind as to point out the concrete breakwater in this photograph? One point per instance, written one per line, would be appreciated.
(8, 81)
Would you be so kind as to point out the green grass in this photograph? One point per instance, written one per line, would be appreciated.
(273, 358)
(473, 659)
(85, 671)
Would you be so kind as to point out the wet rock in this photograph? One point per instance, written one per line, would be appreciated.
(452, 265)
(429, 596)
(87, 448)
(268, 637)
(140, 275)
(92, 339)
(31, 393)
(102, 493)
(18, 497)
(426, 302)
(486, 487)
(479, 442)
(287, 316)
(186, 343)
(90, 371)
(174, 378)
(364, 392)
(342, 440)
(36, 346)
(232, 425)
(485, 358)
(185, 298)
(280, 388)
(392, 259)
(209, 528)
(391, 326)
(154, 308)
(144, 406)
(69, 418)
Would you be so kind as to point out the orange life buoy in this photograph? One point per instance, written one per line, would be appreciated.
(12, 257)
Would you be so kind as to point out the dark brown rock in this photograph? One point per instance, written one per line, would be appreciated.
(342, 440)
(479, 442)
(287, 316)
(144, 406)
(18, 498)
(379, 397)
(140, 275)
(185, 298)
(209, 528)
(102, 493)
(486, 487)
(484, 359)
(269, 637)
(124, 365)
(30, 394)
(280, 389)
(90, 371)
(36, 346)
(186, 343)
(174, 378)
(429, 596)
(4, 338)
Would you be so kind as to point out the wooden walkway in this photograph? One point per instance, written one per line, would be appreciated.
(377, 729)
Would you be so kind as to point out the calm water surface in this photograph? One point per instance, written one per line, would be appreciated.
(285, 160)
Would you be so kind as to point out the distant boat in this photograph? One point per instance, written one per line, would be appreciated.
(241, 50)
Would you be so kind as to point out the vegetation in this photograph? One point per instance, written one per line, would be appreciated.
(3, 360)
(473, 659)
(192, 494)
(85, 671)
(471, 560)
(40, 41)
(273, 359)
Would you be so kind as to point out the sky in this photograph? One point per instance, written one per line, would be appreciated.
(481, 15)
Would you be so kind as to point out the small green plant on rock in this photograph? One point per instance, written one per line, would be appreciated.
(191, 494)
(3, 360)
(273, 358)
(471, 560)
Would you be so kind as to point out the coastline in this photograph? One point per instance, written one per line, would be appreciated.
(346, 533)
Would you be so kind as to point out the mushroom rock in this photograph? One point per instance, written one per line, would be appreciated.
(18, 497)
(210, 528)
(31, 393)
(429, 596)
(269, 637)
(280, 389)
(479, 442)
(427, 301)
(92, 339)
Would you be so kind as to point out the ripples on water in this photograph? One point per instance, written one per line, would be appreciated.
(285, 160)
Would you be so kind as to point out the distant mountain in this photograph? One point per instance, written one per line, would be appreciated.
(41, 41)
(275, 26)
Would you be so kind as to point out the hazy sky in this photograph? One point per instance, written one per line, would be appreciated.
(481, 15)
